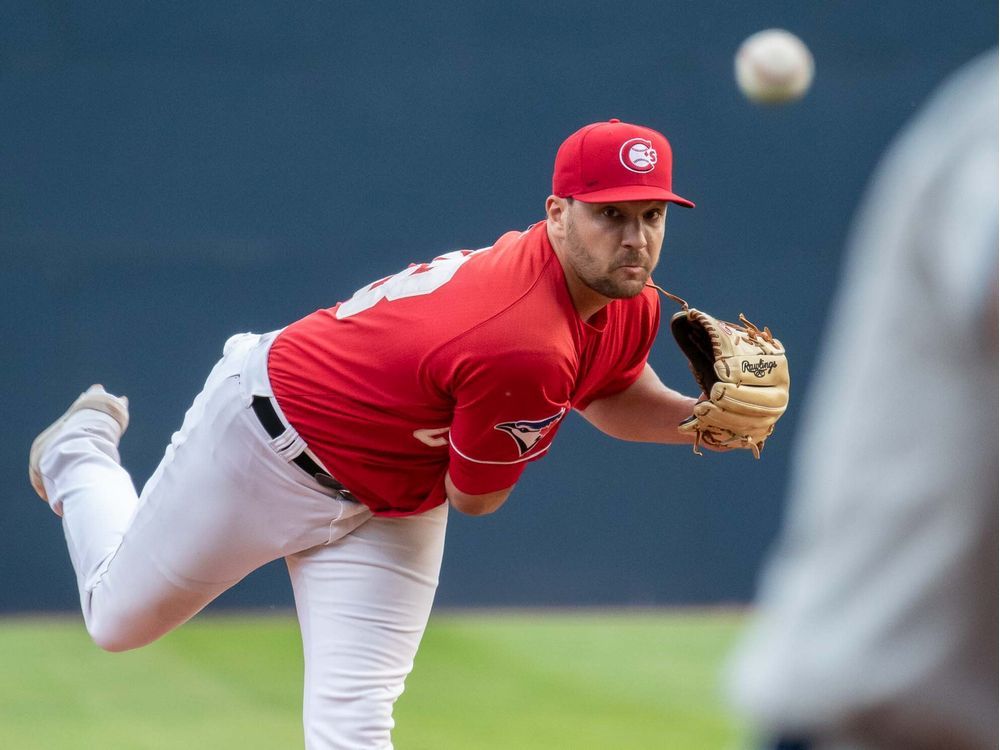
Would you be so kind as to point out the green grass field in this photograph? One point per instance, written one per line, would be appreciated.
(484, 681)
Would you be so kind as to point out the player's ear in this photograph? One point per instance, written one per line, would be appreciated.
(555, 211)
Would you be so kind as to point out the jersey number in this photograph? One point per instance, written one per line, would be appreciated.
(418, 279)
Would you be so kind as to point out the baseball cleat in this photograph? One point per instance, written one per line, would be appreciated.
(95, 398)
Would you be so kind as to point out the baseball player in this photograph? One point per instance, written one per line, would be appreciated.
(338, 442)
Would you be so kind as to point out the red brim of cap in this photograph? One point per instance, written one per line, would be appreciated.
(633, 193)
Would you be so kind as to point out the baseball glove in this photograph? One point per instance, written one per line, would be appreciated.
(743, 376)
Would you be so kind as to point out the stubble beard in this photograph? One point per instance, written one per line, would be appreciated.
(596, 275)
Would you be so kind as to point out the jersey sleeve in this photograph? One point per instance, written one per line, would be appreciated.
(507, 410)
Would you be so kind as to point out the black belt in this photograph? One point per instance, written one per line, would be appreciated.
(271, 422)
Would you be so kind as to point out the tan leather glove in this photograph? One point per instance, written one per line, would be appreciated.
(743, 374)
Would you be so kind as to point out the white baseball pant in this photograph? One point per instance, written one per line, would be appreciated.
(224, 501)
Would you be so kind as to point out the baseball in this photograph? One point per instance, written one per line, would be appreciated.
(773, 67)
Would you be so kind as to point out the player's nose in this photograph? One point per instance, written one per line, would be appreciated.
(633, 236)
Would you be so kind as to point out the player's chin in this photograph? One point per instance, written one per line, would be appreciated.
(617, 285)
(630, 281)
(622, 291)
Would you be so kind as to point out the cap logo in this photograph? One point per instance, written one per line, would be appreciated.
(638, 155)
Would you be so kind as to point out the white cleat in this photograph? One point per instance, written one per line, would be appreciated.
(95, 398)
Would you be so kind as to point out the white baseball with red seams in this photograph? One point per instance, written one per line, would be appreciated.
(773, 67)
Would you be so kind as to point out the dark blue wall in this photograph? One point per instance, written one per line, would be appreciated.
(173, 173)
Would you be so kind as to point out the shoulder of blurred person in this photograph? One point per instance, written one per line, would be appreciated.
(877, 615)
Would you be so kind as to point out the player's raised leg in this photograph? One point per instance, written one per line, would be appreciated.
(220, 504)
(75, 460)
(363, 603)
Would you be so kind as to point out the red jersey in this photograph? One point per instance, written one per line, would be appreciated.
(466, 364)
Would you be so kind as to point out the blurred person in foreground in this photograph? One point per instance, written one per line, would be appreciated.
(876, 624)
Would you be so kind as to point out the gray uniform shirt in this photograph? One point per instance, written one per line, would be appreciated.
(877, 617)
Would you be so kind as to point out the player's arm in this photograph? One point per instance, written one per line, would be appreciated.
(647, 411)
(474, 505)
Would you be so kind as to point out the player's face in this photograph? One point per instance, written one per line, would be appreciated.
(612, 248)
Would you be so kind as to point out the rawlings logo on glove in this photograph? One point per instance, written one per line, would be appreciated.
(743, 376)
(760, 369)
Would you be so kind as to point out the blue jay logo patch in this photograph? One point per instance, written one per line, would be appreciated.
(527, 433)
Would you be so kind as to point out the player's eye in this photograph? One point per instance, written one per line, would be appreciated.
(654, 214)
(611, 212)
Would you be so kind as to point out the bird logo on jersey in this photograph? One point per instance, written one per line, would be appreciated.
(638, 155)
(527, 433)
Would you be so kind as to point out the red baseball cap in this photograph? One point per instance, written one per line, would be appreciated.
(614, 161)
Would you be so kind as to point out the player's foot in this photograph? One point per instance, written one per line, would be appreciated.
(95, 398)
